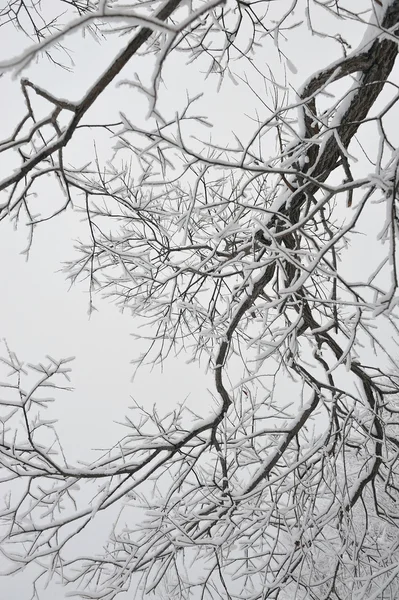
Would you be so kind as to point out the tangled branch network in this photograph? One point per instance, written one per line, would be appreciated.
(265, 249)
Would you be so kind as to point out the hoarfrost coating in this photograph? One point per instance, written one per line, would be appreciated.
(235, 194)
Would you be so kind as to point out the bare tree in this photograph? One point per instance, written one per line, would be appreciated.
(243, 253)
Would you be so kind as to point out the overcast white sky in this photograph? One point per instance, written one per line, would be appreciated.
(40, 314)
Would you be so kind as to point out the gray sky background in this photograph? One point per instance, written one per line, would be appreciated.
(40, 314)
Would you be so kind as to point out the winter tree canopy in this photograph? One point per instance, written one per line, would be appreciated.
(236, 168)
